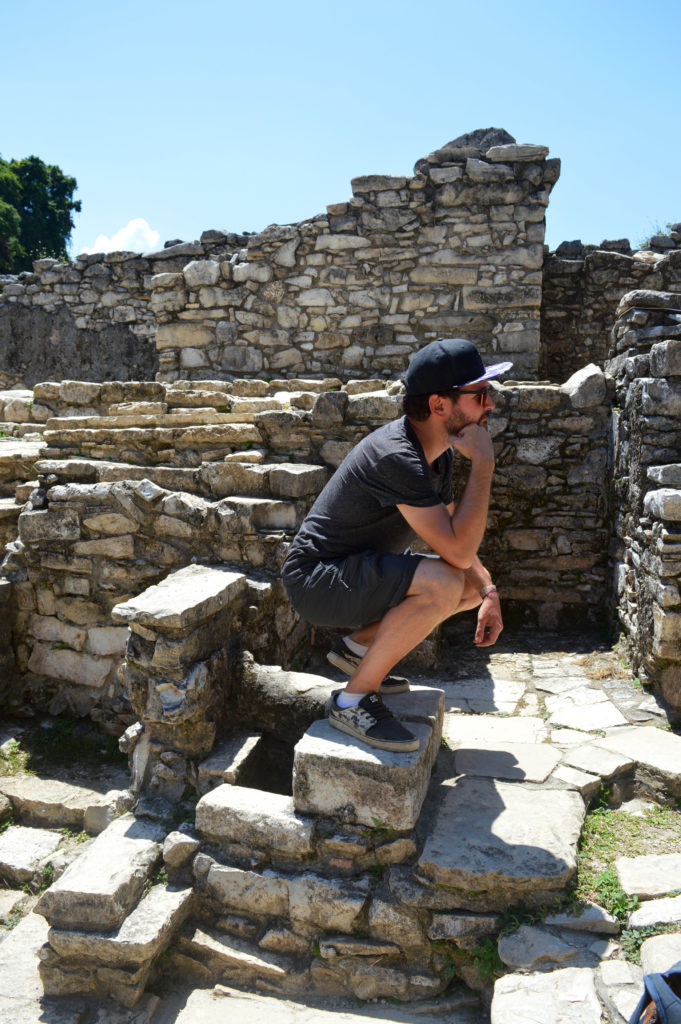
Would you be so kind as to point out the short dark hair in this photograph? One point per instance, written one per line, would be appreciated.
(417, 407)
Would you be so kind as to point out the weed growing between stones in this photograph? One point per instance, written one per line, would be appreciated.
(13, 759)
(631, 939)
(76, 837)
(487, 960)
(609, 833)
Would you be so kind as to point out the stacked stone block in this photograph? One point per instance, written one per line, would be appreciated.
(455, 250)
(581, 290)
(647, 361)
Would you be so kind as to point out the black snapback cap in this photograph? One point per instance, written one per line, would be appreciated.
(448, 363)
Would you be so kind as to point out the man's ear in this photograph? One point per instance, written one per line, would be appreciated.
(437, 405)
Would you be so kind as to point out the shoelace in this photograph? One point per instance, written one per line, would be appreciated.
(378, 708)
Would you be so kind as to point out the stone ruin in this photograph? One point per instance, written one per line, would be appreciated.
(146, 509)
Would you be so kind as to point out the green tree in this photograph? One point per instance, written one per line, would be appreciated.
(36, 207)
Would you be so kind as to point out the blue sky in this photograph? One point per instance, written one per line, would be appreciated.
(236, 115)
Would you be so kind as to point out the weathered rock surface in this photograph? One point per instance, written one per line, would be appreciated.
(567, 996)
(24, 852)
(101, 887)
(504, 842)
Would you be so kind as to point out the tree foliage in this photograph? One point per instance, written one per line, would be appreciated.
(36, 207)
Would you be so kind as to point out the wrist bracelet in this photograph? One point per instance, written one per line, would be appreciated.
(489, 589)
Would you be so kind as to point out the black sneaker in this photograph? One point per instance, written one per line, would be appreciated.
(347, 661)
(371, 722)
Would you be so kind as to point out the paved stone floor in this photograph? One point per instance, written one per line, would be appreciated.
(532, 728)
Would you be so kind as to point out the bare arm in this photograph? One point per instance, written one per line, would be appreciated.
(456, 536)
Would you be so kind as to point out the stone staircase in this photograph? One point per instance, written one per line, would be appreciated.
(380, 871)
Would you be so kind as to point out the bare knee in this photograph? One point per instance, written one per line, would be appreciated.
(440, 583)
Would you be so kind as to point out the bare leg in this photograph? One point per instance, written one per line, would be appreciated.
(437, 591)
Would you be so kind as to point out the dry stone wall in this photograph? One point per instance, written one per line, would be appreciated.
(455, 249)
(90, 319)
(581, 290)
(647, 435)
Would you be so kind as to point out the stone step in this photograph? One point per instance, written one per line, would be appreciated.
(232, 761)
(9, 518)
(233, 959)
(17, 459)
(255, 820)
(275, 480)
(214, 480)
(144, 933)
(100, 888)
(56, 803)
(213, 1006)
(183, 600)
(203, 438)
(335, 775)
(24, 852)
(254, 514)
(23, 492)
(120, 421)
(494, 844)
(83, 470)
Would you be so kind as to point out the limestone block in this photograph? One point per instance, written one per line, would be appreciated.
(342, 945)
(597, 761)
(110, 523)
(369, 407)
(179, 848)
(461, 730)
(183, 335)
(653, 912)
(263, 513)
(583, 708)
(247, 891)
(329, 904)
(53, 803)
(228, 761)
(340, 243)
(516, 152)
(478, 170)
(254, 818)
(259, 272)
(335, 775)
(395, 924)
(184, 599)
(100, 888)
(316, 297)
(664, 503)
(530, 948)
(566, 996)
(294, 480)
(659, 953)
(371, 981)
(665, 359)
(106, 640)
(52, 629)
(588, 917)
(49, 525)
(649, 875)
(465, 929)
(241, 359)
(113, 547)
(653, 750)
(586, 388)
(282, 940)
(79, 392)
(212, 946)
(502, 841)
(141, 936)
(23, 852)
(201, 272)
(84, 669)
(230, 478)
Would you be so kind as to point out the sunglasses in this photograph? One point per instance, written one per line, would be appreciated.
(481, 396)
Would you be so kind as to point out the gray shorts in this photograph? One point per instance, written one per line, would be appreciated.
(349, 592)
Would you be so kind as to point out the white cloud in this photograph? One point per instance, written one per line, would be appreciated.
(136, 236)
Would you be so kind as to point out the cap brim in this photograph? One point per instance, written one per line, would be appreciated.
(492, 371)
